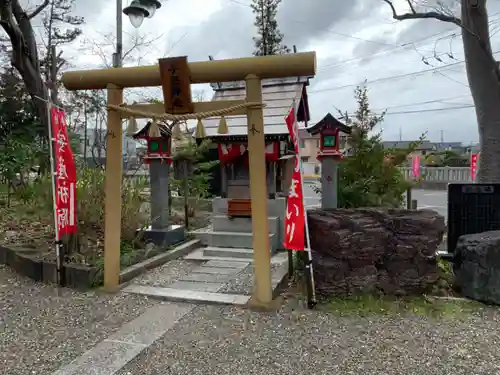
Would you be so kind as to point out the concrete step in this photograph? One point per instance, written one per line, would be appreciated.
(222, 223)
(189, 296)
(228, 252)
(236, 240)
(200, 255)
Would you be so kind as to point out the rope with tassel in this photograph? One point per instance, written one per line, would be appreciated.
(188, 116)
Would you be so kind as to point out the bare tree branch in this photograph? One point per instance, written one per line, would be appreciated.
(414, 15)
(133, 54)
(39, 9)
(412, 8)
(450, 18)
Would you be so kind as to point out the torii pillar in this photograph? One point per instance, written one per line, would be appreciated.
(252, 70)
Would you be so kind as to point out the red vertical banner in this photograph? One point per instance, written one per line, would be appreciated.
(295, 214)
(416, 166)
(65, 175)
(473, 166)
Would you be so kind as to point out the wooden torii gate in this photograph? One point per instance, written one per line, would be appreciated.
(252, 70)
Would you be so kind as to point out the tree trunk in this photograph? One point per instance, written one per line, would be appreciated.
(484, 86)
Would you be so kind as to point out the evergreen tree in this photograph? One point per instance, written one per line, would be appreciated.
(269, 40)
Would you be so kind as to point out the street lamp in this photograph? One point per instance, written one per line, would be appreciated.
(140, 9)
(151, 6)
(136, 13)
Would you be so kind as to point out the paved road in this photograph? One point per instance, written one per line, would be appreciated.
(436, 200)
(312, 199)
(432, 199)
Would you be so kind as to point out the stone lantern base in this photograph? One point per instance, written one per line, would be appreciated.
(171, 235)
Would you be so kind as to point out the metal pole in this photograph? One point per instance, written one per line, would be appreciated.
(59, 260)
(118, 55)
(311, 289)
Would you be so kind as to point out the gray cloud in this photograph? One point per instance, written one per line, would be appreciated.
(229, 31)
(301, 21)
(91, 8)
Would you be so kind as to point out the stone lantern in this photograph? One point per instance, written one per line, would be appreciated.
(158, 157)
(329, 129)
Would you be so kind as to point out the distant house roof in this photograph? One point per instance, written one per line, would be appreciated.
(425, 145)
(448, 145)
(279, 95)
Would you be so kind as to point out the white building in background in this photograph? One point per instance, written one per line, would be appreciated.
(93, 146)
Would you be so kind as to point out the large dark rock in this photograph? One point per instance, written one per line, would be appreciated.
(368, 250)
(477, 266)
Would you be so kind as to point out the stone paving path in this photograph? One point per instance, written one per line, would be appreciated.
(214, 281)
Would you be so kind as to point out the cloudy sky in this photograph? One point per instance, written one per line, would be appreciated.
(414, 69)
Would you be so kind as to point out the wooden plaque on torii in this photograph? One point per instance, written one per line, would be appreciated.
(176, 85)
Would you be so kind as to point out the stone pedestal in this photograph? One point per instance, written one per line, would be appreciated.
(170, 235)
(160, 232)
(158, 179)
(329, 182)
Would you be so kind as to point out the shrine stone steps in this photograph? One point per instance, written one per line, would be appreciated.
(228, 252)
(239, 240)
(223, 223)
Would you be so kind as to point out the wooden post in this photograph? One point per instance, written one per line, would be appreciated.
(113, 195)
(408, 198)
(224, 180)
(262, 294)
(272, 180)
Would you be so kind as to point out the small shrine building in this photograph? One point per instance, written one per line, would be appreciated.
(229, 134)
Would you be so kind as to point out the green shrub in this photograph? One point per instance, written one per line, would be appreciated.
(90, 208)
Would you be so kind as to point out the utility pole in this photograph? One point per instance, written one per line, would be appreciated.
(442, 136)
(400, 133)
(118, 55)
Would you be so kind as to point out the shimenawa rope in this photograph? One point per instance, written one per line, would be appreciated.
(188, 116)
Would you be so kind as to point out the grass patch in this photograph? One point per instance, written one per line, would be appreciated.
(370, 305)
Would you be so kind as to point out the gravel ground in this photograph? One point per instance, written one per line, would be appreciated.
(243, 283)
(168, 273)
(226, 340)
(41, 330)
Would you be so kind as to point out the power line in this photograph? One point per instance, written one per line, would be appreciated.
(397, 48)
(417, 111)
(384, 52)
(411, 74)
(431, 110)
(442, 100)
(386, 78)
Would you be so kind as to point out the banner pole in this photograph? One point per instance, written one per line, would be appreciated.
(53, 173)
(311, 290)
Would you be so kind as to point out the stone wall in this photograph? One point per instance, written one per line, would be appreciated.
(370, 250)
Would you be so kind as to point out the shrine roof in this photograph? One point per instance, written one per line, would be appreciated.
(329, 122)
(144, 132)
(279, 95)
